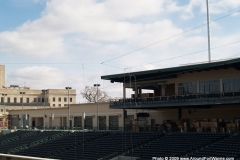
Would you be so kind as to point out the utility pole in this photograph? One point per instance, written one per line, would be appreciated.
(208, 29)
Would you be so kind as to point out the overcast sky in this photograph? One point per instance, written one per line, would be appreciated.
(59, 43)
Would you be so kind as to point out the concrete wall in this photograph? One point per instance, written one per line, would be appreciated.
(90, 109)
(227, 112)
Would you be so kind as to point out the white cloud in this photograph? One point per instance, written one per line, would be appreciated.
(220, 6)
(215, 7)
(38, 76)
(87, 30)
(40, 44)
(106, 21)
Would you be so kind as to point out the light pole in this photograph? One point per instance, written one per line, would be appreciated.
(22, 93)
(4, 95)
(97, 85)
(68, 88)
(44, 91)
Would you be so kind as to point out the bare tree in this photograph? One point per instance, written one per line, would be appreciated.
(90, 93)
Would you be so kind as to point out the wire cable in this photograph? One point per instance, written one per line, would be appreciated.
(171, 37)
(185, 54)
(224, 45)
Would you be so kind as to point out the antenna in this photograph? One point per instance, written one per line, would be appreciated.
(209, 45)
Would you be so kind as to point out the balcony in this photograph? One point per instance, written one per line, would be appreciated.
(177, 101)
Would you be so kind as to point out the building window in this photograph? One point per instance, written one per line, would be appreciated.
(21, 100)
(70, 99)
(59, 105)
(214, 86)
(2, 99)
(102, 122)
(27, 100)
(88, 122)
(54, 99)
(113, 122)
(65, 99)
(8, 100)
(128, 121)
(209, 86)
(231, 85)
(1, 110)
(35, 99)
(78, 121)
(39, 99)
(187, 88)
(42, 99)
(53, 104)
(15, 100)
(59, 99)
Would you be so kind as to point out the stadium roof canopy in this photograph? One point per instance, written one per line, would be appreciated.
(167, 73)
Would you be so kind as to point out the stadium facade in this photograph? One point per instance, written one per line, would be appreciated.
(205, 96)
(198, 98)
(201, 97)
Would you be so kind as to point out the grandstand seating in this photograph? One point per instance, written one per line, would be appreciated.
(25, 139)
(57, 146)
(228, 147)
(108, 146)
(175, 145)
(105, 145)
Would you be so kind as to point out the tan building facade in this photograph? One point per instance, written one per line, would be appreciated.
(16, 97)
(109, 119)
(11, 98)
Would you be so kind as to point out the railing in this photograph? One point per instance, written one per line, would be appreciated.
(146, 128)
(89, 128)
(177, 99)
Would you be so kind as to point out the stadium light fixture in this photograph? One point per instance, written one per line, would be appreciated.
(97, 85)
(68, 88)
(22, 93)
